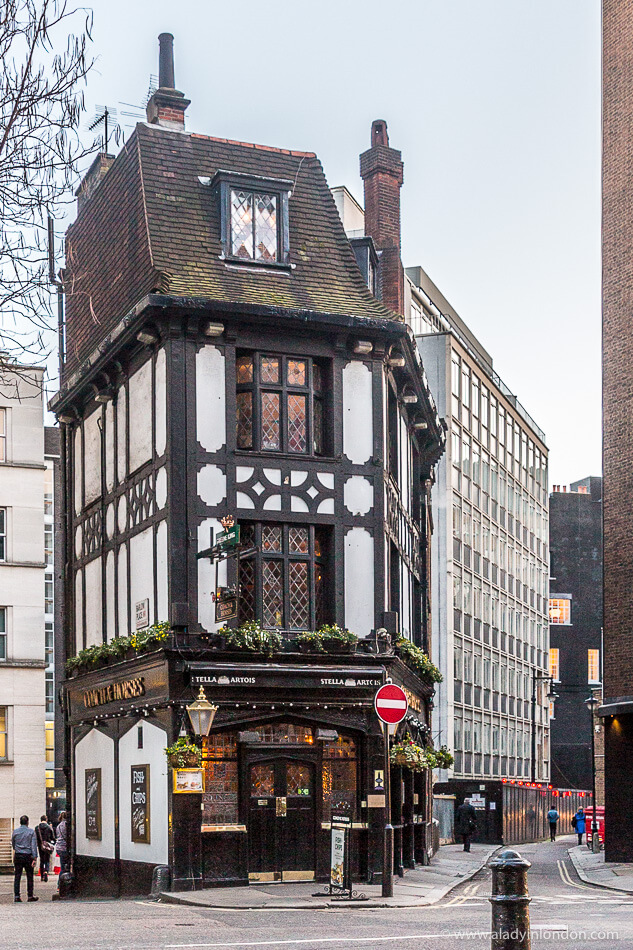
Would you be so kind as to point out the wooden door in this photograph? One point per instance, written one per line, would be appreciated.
(281, 816)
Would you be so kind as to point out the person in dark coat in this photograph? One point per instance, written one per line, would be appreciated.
(466, 823)
(45, 845)
(578, 821)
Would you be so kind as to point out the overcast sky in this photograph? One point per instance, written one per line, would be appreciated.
(495, 105)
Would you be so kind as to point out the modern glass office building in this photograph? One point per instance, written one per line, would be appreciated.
(490, 555)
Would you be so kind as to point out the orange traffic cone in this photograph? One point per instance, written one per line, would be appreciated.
(56, 865)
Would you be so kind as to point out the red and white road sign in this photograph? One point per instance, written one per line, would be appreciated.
(391, 703)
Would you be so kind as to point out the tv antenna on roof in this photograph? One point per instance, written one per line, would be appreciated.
(107, 117)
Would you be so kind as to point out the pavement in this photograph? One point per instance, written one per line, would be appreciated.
(592, 869)
(421, 887)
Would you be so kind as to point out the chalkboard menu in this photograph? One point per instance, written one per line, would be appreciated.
(93, 804)
(140, 804)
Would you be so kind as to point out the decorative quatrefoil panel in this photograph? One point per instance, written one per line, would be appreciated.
(277, 489)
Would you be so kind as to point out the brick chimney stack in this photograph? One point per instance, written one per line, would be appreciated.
(167, 106)
(381, 169)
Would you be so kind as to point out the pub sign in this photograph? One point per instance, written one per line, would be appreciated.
(93, 804)
(140, 804)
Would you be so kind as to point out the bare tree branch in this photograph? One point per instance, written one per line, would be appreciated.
(44, 61)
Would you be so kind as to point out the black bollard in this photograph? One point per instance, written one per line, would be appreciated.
(387, 864)
(161, 881)
(510, 902)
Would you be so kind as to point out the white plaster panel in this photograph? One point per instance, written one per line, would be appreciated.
(211, 485)
(95, 751)
(142, 570)
(152, 754)
(161, 488)
(140, 394)
(78, 540)
(162, 571)
(273, 475)
(122, 513)
(359, 581)
(79, 616)
(161, 402)
(358, 495)
(405, 600)
(297, 478)
(110, 523)
(297, 504)
(273, 503)
(110, 597)
(94, 619)
(206, 577)
(210, 398)
(242, 500)
(326, 507)
(326, 479)
(243, 473)
(121, 461)
(358, 428)
(124, 625)
(78, 470)
(109, 446)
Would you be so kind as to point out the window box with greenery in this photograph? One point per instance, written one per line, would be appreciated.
(120, 648)
(417, 660)
(251, 638)
(329, 638)
(184, 754)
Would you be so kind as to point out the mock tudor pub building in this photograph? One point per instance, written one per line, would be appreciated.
(227, 366)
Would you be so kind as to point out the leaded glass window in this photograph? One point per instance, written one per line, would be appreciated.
(283, 583)
(254, 232)
(280, 404)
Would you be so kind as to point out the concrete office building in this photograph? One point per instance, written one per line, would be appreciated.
(490, 554)
(22, 678)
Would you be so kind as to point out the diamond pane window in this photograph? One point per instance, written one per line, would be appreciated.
(244, 369)
(298, 779)
(296, 373)
(298, 540)
(272, 594)
(283, 411)
(271, 538)
(245, 420)
(271, 428)
(265, 227)
(297, 423)
(262, 781)
(284, 580)
(242, 225)
(270, 369)
(299, 595)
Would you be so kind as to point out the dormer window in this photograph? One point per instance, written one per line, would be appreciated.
(253, 219)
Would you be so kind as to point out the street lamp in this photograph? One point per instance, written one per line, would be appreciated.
(591, 703)
(201, 714)
(552, 696)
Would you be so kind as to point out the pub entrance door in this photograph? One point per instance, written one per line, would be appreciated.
(281, 819)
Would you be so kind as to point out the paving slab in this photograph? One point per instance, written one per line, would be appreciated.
(593, 869)
(419, 887)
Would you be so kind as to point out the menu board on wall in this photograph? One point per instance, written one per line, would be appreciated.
(140, 804)
(93, 804)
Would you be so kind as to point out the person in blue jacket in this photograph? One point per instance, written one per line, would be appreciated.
(579, 822)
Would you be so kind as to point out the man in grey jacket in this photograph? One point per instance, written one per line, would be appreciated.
(24, 844)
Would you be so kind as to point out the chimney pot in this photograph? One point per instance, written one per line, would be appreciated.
(379, 134)
(166, 61)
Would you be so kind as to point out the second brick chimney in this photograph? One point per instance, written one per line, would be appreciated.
(382, 172)
(167, 105)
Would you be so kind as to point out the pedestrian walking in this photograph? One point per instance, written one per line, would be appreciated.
(466, 823)
(552, 817)
(45, 845)
(578, 822)
(24, 844)
(61, 842)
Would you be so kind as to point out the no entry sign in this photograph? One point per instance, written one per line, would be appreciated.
(391, 703)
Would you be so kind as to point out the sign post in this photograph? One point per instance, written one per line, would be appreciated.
(391, 707)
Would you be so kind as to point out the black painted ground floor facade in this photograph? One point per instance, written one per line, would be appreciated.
(292, 741)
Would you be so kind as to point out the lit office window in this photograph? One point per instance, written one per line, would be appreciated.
(559, 610)
(554, 663)
(593, 666)
(3, 733)
(50, 741)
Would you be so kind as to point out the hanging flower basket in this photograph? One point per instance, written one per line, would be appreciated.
(408, 755)
(183, 755)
